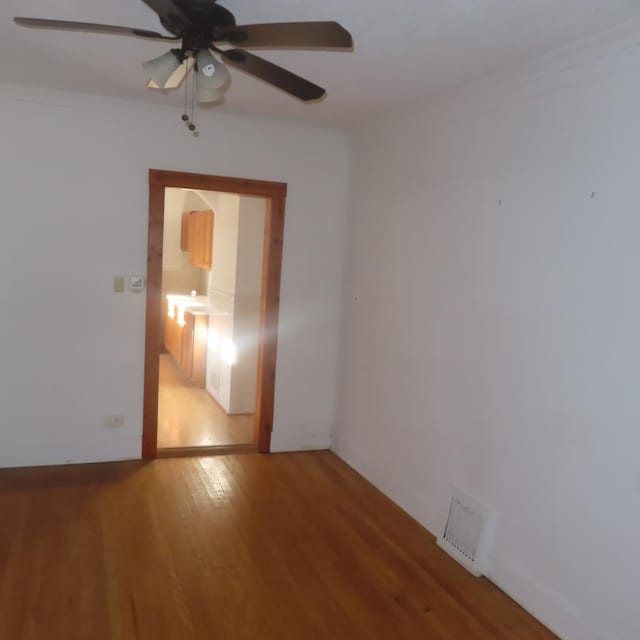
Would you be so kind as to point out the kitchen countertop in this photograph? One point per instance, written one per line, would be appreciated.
(216, 304)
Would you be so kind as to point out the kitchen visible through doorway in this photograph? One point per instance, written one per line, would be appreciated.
(215, 254)
(211, 293)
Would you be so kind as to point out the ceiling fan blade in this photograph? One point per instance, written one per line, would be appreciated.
(288, 34)
(273, 74)
(90, 27)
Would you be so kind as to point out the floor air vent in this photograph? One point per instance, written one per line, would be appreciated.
(467, 532)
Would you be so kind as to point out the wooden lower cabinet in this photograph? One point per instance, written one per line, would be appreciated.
(194, 346)
(173, 338)
(188, 344)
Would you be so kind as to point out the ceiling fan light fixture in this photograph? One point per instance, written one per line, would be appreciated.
(166, 71)
(209, 95)
(200, 25)
(212, 73)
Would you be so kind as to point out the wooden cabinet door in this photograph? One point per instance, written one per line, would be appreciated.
(193, 360)
(173, 338)
(192, 238)
(200, 238)
(186, 359)
(188, 345)
(167, 332)
(184, 230)
(207, 232)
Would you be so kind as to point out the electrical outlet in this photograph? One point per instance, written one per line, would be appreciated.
(114, 421)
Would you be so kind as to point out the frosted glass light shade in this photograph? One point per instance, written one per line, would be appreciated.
(165, 72)
(209, 95)
(212, 74)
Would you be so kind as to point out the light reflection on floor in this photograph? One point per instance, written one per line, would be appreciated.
(189, 417)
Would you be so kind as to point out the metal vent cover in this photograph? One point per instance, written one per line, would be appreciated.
(467, 531)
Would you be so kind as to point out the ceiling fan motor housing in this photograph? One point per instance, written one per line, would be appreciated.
(204, 17)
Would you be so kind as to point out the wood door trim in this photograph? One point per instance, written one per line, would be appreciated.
(216, 450)
(217, 183)
(275, 194)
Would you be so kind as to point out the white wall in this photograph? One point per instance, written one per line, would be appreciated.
(250, 245)
(234, 289)
(246, 311)
(193, 201)
(225, 242)
(173, 258)
(492, 323)
(221, 291)
(178, 275)
(72, 350)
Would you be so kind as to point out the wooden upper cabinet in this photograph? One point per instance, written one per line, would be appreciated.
(207, 251)
(200, 238)
(184, 231)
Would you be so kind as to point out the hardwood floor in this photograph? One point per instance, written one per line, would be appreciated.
(282, 547)
(189, 417)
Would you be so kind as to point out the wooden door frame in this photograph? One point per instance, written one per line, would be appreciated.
(275, 194)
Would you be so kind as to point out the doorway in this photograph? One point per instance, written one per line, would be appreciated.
(159, 334)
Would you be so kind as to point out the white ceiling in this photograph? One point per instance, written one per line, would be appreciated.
(403, 50)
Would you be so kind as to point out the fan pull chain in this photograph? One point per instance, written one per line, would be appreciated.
(194, 106)
(185, 116)
(190, 99)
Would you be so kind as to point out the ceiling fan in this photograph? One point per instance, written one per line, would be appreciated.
(200, 25)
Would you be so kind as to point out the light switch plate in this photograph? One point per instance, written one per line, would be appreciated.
(118, 284)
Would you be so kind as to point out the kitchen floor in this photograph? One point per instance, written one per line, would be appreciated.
(189, 417)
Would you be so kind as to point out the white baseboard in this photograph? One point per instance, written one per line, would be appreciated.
(552, 610)
(287, 442)
(38, 455)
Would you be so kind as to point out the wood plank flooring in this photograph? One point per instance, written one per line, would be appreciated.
(291, 546)
(189, 417)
